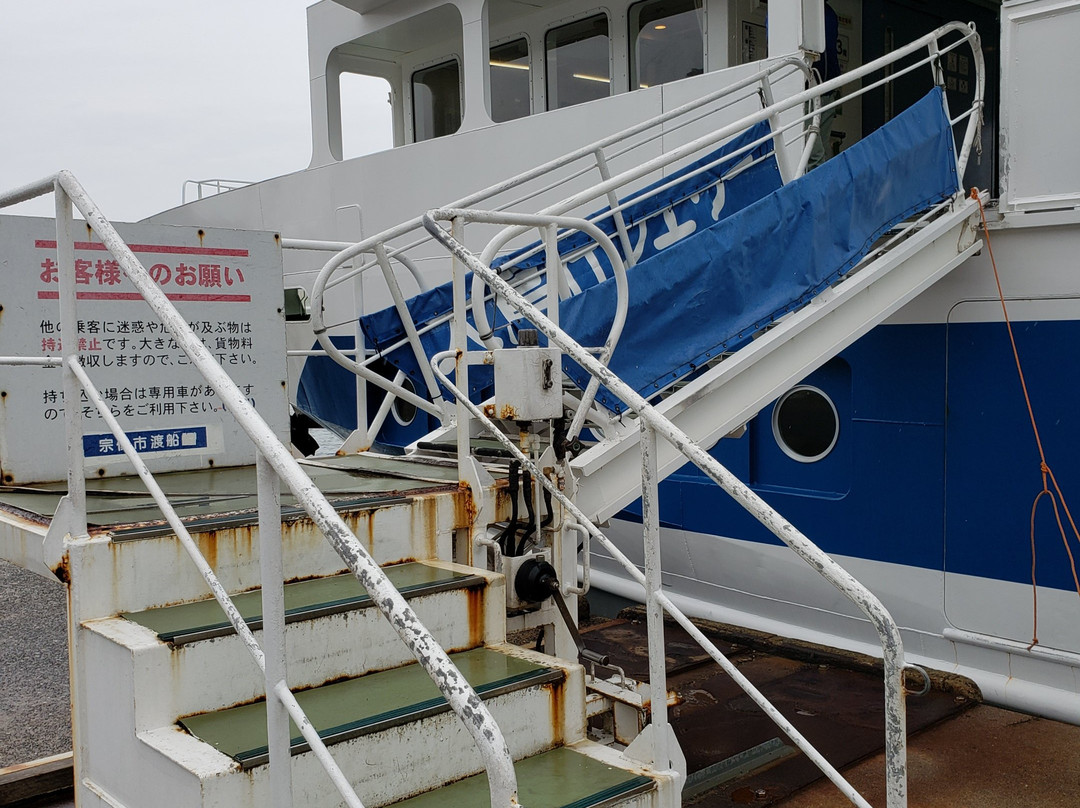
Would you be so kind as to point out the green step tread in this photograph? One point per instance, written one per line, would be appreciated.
(370, 703)
(561, 778)
(188, 622)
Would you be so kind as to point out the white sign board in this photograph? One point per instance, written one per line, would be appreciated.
(228, 286)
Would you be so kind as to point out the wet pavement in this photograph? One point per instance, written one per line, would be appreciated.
(837, 705)
(35, 712)
(984, 758)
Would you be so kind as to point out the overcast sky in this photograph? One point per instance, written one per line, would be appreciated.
(137, 96)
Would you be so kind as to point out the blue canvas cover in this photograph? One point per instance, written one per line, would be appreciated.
(714, 187)
(705, 283)
(710, 291)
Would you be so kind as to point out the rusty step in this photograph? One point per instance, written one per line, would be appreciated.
(304, 600)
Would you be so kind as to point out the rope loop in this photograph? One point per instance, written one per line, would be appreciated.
(1044, 467)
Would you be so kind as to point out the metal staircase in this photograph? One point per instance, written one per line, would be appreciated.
(690, 414)
(345, 608)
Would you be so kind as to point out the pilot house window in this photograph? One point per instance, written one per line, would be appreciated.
(667, 41)
(578, 62)
(510, 80)
(436, 100)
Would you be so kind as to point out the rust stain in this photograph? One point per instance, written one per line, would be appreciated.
(465, 510)
(475, 604)
(508, 413)
(558, 698)
(176, 657)
(369, 518)
(489, 410)
(63, 570)
(503, 501)
(22, 515)
(428, 510)
(208, 546)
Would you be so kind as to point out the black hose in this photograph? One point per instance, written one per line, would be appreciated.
(531, 529)
(510, 530)
(530, 526)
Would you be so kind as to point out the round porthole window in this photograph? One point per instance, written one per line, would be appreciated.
(805, 424)
(404, 411)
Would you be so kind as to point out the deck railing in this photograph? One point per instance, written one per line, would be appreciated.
(274, 465)
(404, 244)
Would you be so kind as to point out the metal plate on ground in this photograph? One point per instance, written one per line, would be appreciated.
(839, 709)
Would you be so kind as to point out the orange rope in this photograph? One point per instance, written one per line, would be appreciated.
(1044, 467)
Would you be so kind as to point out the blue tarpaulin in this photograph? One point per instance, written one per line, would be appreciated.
(712, 188)
(719, 255)
(709, 292)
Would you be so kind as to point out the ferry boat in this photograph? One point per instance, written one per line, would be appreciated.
(660, 268)
(922, 466)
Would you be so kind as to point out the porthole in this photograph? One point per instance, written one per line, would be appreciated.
(805, 424)
(404, 411)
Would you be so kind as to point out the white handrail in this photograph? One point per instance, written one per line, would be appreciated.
(808, 101)
(323, 280)
(218, 186)
(844, 582)
(459, 694)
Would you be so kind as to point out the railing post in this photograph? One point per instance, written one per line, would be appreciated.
(779, 148)
(459, 343)
(360, 346)
(273, 645)
(654, 610)
(69, 337)
(554, 271)
(613, 203)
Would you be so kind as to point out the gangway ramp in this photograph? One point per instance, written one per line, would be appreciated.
(732, 391)
(718, 291)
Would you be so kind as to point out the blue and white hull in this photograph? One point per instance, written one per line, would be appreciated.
(927, 495)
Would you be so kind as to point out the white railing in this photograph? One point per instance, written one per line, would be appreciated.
(274, 464)
(651, 423)
(792, 119)
(204, 188)
(404, 242)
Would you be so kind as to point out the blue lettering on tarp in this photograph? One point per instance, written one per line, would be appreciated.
(148, 440)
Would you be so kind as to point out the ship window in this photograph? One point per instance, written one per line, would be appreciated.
(367, 117)
(667, 39)
(404, 411)
(578, 64)
(805, 424)
(510, 80)
(297, 305)
(436, 100)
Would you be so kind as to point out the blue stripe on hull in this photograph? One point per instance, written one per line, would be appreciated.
(934, 467)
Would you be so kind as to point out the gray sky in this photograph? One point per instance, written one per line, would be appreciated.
(137, 96)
